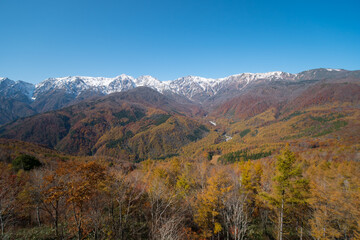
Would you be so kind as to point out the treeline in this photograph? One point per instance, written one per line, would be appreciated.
(243, 155)
(282, 198)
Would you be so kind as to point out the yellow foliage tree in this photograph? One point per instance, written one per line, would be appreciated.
(210, 204)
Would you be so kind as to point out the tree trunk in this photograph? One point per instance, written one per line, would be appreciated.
(79, 230)
(78, 221)
(281, 219)
(2, 224)
(38, 216)
(112, 215)
(57, 219)
(120, 222)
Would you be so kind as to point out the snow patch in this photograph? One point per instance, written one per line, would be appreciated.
(189, 86)
(332, 70)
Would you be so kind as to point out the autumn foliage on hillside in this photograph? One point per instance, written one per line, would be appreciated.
(259, 167)
(287, 197)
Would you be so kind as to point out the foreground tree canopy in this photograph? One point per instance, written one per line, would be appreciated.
(285, 197)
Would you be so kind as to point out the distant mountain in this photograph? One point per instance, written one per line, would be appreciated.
(15, 99)
(139, 122)
(284, 97)
(327, 73)
(19, 89)
(55, 93)
(69, 90)
(132, 125)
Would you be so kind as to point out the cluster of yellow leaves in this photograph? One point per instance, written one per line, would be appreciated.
(210, 203)
(335, 199)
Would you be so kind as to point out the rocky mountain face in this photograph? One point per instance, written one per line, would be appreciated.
(20, 99)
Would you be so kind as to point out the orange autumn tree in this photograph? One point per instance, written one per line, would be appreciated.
(210, 204)
(10, 187)
(84, 181)
(335, 200)
(53, 191)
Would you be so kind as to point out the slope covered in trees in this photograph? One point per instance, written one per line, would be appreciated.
(280, 162)
(287, 197)
(120, 125)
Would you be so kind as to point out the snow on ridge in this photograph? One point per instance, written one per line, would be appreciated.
(188, 86)
(18, 86)
(77, 84)
(154, 83)
(150, 81)
(13, 82)
(147, 80)
(192, 85)
(248, 76)
(268, 75)
(333, 69)
(91, 81)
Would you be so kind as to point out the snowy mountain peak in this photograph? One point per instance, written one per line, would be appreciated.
(193, 87)
(124, 77)
(196, 79)
(268, 75)
(188, 86)
(10, 88)
(77, 84)
(149, 81)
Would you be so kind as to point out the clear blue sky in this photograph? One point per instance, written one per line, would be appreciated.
(174, 38)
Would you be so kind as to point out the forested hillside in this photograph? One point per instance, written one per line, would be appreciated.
(278, 160)
(291, 194)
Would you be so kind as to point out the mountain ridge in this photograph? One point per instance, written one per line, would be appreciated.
(123, 82)
(56, 93)
(119, 124)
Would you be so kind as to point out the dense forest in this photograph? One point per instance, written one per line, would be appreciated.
(285, 197)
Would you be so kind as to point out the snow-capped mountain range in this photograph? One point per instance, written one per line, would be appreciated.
(189, 86)
(20, 99)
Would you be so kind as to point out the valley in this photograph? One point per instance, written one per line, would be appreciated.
(193, 158)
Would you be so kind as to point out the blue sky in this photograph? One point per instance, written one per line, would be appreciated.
(170, 39)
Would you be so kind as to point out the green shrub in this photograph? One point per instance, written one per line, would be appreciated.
(294, 114)
(244, 133)
(242, 155)
(25, 162)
